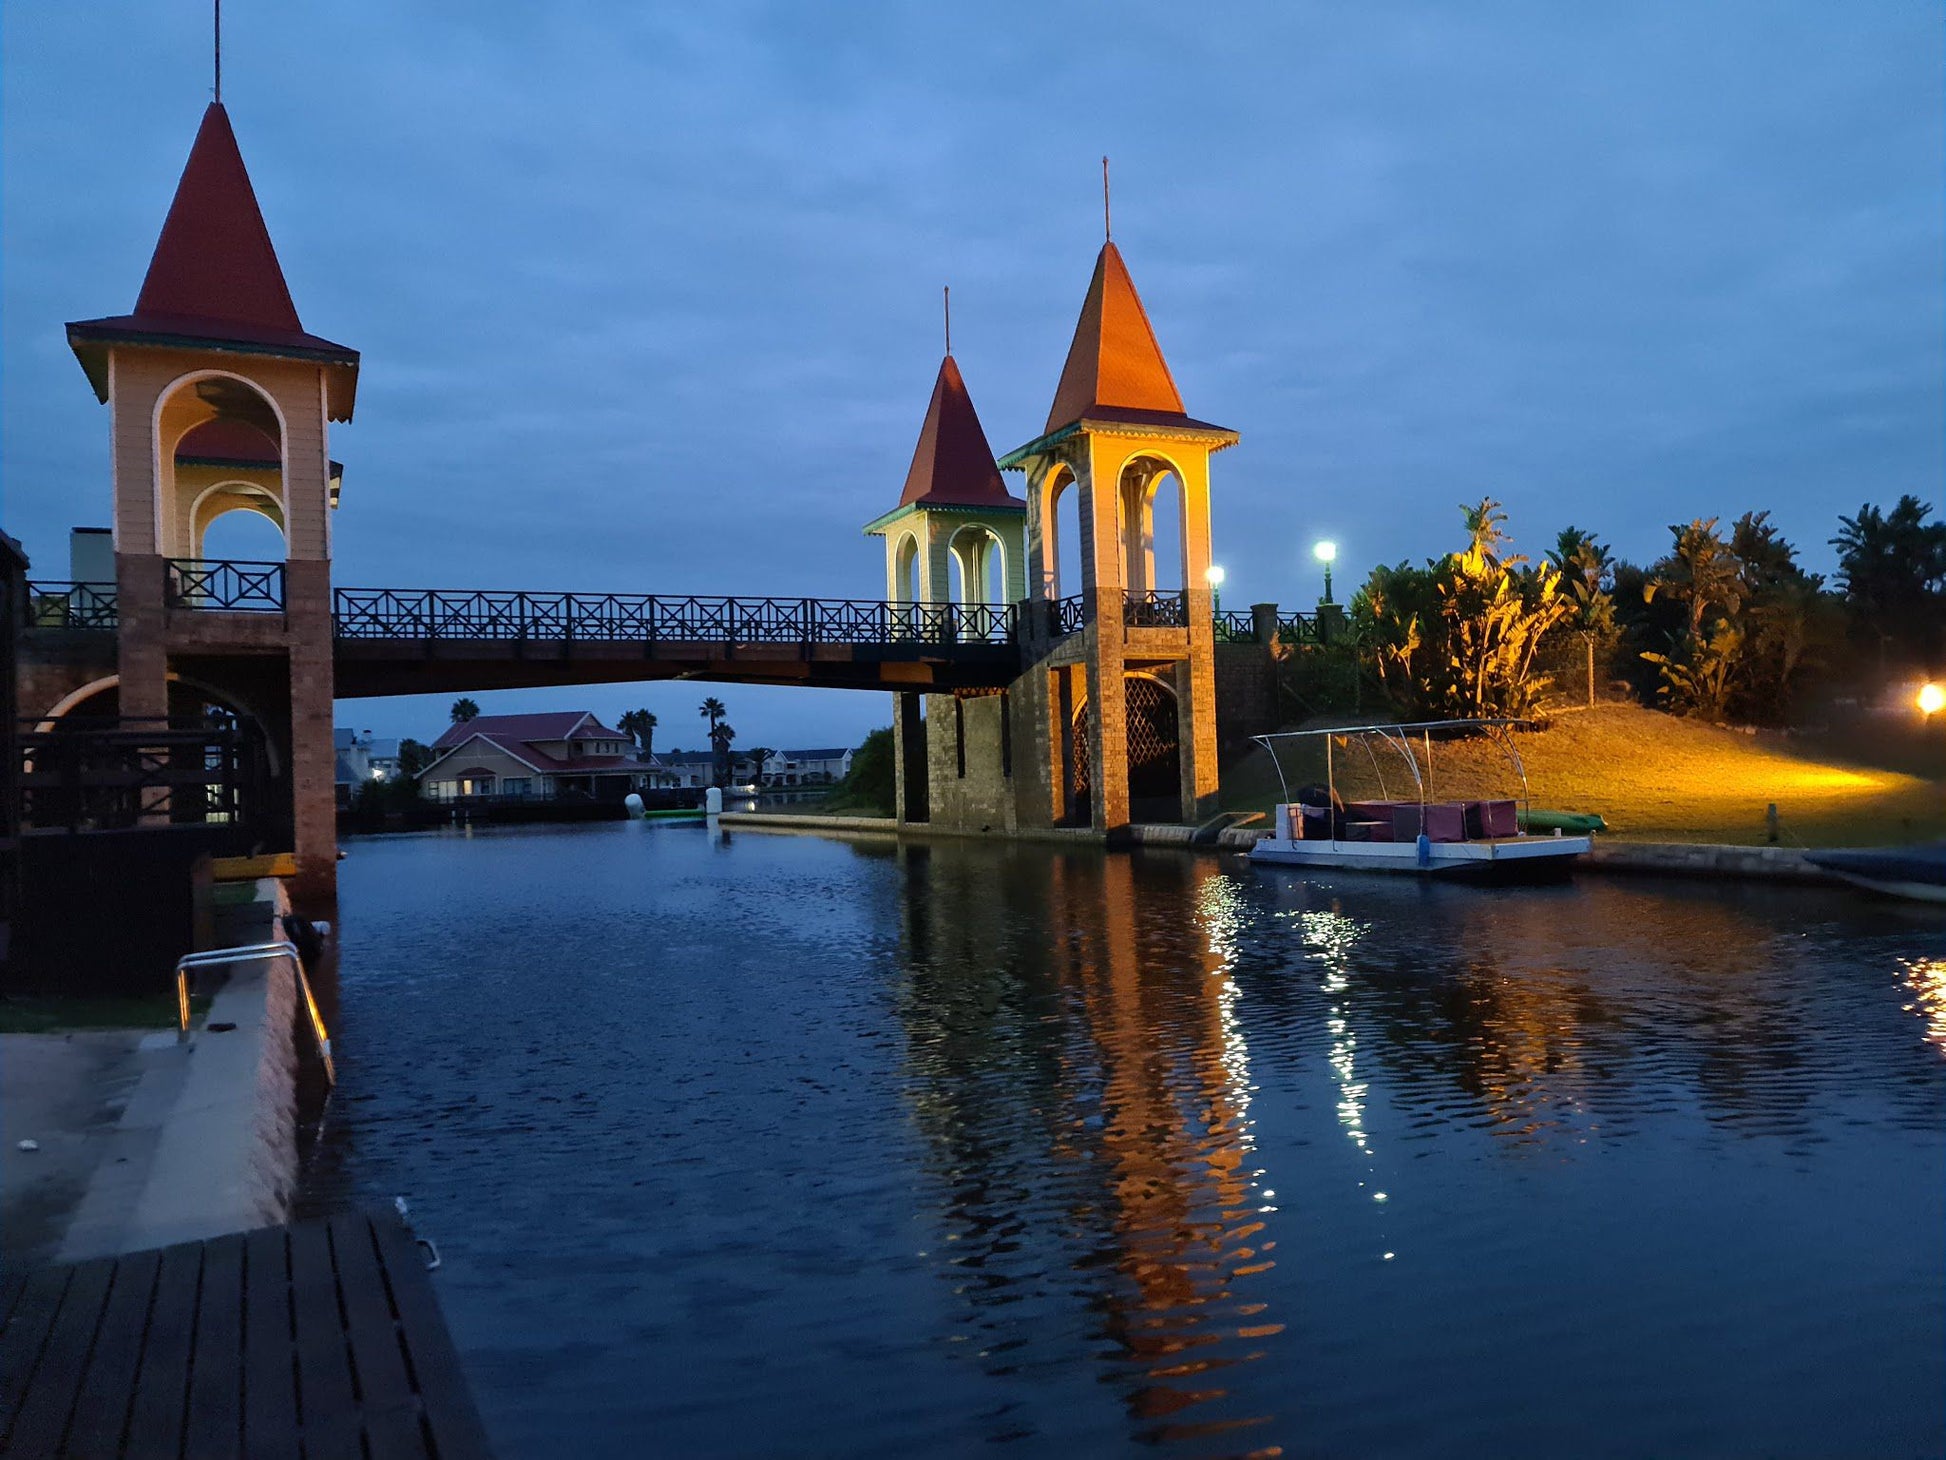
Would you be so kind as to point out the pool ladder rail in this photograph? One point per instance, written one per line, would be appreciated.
(255, 953)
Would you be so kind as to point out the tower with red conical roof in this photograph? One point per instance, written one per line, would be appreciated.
(954, 554)
(1124, 693)
(219, 400)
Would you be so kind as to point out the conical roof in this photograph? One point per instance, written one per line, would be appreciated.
(214, 280)
(953, 465)
(1114, 363)
(214, 260)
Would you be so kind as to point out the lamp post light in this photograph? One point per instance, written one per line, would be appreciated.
(1326, 553)
(1215, 575)
(1932, 699)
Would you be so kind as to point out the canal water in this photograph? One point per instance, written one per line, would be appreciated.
(769, 1144)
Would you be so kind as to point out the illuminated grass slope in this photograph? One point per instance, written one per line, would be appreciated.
(1658, 778)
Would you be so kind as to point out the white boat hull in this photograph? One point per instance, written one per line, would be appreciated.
(1505, 858)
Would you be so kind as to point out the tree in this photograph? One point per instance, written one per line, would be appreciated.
(1892, 572)
(1458, 637)
(757, 755)
(1701, 574)
(413, 758)
(712, 710)
(639, 726)
(1588, 576)
(721, 733)
(464, 709)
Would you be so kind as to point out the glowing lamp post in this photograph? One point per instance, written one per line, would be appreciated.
(1215, 575)
(1326, 553)
(1932, 699)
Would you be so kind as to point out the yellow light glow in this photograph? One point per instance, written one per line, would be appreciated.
(1932, 699)
(1326, 551)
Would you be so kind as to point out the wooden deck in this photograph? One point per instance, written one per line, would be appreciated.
(320, 1339)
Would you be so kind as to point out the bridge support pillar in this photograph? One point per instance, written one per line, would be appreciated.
(314, 805)
(909, 757)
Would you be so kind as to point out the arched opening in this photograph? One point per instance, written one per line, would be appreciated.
(978, 567)
(1154, 754)
(243, 533)
(219, 448)
(1069, 547)
(1154, 545)
(905, 570)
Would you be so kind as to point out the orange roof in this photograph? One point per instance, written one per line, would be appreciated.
(214, 278)
(1114, 362)
(953, 466)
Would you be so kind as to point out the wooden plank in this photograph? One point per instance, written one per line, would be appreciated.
(450, 1411)
(214, 1426)
(324, 1389)
(101, 1410)
(155, 1418)
(42, 1422)
(25, 1335)
(269, 1371)
(390, 1404)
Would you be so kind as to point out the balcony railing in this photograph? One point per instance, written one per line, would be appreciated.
(71, 606)
(1151, 609)
(112, 774)
(391, 613)
(1235, 628)
(1067, 615)
(227, 586)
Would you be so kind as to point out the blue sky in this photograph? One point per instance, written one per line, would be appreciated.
(648, 295)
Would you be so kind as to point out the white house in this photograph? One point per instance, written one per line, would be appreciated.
(568, 753)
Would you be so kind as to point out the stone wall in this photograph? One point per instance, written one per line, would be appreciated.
(1246, 693)
(969, 762)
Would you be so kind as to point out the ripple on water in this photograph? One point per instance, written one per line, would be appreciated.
(783, 1145)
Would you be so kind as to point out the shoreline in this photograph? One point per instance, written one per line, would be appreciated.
(1707, 861)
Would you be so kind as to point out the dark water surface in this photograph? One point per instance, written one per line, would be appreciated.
(779, 1145)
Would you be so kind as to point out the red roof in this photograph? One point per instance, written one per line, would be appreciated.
(520, 729)
(225, 438)
(953, 465)
(1114, 364)
(214, 278)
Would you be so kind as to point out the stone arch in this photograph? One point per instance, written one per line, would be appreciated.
(65, 708)
(1064, 549)
(245, 438)
(1153, 734)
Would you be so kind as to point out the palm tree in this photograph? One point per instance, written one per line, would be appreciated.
(721, 733)
(712, 710)
(464, 709)
(639, 725)
(757, 755)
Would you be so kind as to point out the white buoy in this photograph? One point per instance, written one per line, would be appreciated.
(634, 803)
(713, 801)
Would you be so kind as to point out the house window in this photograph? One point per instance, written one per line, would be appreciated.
(516, 786)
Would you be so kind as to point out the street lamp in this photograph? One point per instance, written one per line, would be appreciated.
(1932, 699)
(1326, 553)
(1215, 575)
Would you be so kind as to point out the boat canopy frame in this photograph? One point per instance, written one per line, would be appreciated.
(1397, 737)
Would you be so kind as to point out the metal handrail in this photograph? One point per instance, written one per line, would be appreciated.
(228, 585)
(485, 614)
(71, 605)
(254, 953)
(1155, 609)
(1235, 628)
(1067, 615)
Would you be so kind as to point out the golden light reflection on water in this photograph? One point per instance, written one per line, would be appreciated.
(1926, 977)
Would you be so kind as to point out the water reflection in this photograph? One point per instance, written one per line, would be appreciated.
(1117, 1046)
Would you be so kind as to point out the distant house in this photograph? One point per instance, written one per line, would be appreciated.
(361, 759)
(568, 753)
(683, 769)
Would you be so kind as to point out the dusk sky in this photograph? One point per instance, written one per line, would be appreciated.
(648, 296)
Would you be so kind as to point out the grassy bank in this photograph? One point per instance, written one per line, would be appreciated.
(1657, 778)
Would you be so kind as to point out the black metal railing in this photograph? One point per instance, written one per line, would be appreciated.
(1067, 615)
(71, 606)
(392, 613)
(227, 585)
(1235, 628)
(111, 774)
(1154, 609)
(1298, 628)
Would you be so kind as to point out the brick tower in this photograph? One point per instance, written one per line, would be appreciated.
(220, 401)
(953, 546)
(1122, 689)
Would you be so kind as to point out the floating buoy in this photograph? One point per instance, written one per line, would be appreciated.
(634, 803)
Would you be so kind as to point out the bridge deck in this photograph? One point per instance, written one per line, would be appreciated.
(322, 1339)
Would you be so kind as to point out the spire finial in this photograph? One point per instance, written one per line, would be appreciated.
(219, 52)
(1107, 227)
(947, 291)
